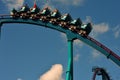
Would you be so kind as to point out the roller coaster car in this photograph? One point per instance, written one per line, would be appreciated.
(75, 25)
(64, 20)
(85, 29)
(14, 13)
(44, 14)
(54, 16)
(24, 12)
(34, 11)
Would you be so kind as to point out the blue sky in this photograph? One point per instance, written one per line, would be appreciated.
(29, 51)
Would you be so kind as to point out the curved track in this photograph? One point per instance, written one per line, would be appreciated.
(71, 35)
(100, 72)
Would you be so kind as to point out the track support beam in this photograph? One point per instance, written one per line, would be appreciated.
(69, 72)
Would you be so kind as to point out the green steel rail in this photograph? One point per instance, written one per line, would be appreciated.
(71, 36)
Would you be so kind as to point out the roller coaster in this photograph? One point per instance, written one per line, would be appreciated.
(74, 29)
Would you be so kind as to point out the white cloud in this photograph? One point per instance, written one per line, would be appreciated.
(19, 79)
(55, 73)
(116, 31)
(64, 37)
(78, 43)
(76, 57)
(70, 2)
(87, 20)
(99, 29)
(95, 54)
(13, 3)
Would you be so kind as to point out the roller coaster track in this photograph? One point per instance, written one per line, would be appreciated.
(88, 40)
(71, 36)
(100, 72)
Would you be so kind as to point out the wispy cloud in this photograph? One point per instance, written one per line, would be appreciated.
(19, 79)
(116, 31)
(64, 37)
(99, 29)
(76, 57)
(55, 73)
(78, 43)
(70, 2)
(13, 3)
(95, 54)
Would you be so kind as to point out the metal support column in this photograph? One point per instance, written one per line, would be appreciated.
(69, 72)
